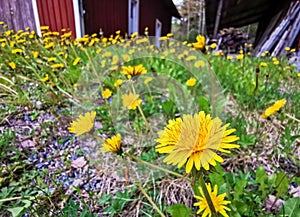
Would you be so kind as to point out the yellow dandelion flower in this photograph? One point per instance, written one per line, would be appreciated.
(107, 54)
(57, 66)
(200, 44)
(276, 62)
(133, 35)
(293, 50)
(51, 59)
(98, 51)
(194, 141)
(106, 93)
(240, 56)
(142, 40)
(131, 101)
(213, 45)
(113, 144)
(190, 58)
(199, 63)
(115, 60)
(273, 108)
(50, 45)
(83, 124)
(113, 68)
(12, 65)
(44, 28)
(118, 83)
(76, 61)
(17, 50)
(132, 71)
(217, 53)
(35, 54)
(263, 64)
(126, 57)
(163, 38)
(147, 80)
(287, 49)
(169, 35)
(287, 67)
(217, 200)
(46, 78)
(191, 82)
(229, 57)
(92, 42)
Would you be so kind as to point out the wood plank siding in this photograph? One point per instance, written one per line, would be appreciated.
(152, 10)
(17, 14)
(109, 15)
(57, 14)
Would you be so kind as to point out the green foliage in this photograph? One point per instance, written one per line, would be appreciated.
(291, 207)
(179, 210)
(115, 204)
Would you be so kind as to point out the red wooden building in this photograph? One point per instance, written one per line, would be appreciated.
(88, 16)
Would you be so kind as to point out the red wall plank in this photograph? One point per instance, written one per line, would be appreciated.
(57, 14)
(149, 12)
(110, 15)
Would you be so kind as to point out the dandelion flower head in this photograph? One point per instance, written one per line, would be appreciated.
(83, 124)
(194, 140)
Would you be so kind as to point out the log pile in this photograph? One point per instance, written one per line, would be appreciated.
(282, 31)
(231, 40)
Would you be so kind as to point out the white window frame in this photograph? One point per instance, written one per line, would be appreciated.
(133, 16)
(158, 29)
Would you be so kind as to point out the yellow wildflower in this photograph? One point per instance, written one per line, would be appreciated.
(57, 66)
(147, 80)
(200, 44)
(195, 140)
(17, 50)
(83, 124)
(46, 78)
(35, 54)
(189, 58)
(12, 65)
(273, 108)
(213, 45)
(132, 71)
(106, 93)
(118, 83)
(51, 59)
(199, 63)
(229, 57)
(131, 101)
(191, 82)
(76, 61)
(112, 144)
(263, 64)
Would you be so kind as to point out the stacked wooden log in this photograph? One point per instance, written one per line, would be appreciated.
(282, 31)
(231, 40)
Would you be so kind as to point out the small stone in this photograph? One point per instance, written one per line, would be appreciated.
(79, 162)
(27, 144)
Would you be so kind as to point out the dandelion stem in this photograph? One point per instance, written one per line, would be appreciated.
(141, 111)
(207, 196)
(150, 200)
(156, 167)
(99, 138)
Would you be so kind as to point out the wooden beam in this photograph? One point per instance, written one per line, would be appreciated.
(218, 17)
